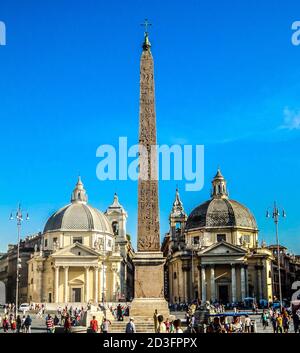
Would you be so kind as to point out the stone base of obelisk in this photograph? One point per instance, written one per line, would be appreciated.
(149, 286)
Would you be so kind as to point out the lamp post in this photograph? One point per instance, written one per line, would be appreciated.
(275, 215)
(19, 219)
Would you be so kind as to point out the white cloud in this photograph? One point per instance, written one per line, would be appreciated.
(291, 119)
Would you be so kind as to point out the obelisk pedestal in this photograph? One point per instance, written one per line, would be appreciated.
(149, 286)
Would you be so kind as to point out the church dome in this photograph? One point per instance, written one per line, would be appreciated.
(78, 215)
(220, 211)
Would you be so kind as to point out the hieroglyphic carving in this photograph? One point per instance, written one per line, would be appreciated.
(148, 213)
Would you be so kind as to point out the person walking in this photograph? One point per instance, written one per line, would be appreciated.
(296, 322)
(5, 324)
(247, 324)
(286, 322)
(105, 325)
(27, 324)
(130, 327)
(265, 319)
(13, 325)
(279, 322)
(50, 324)
(94, 325)
(19, 324)
(67, 323)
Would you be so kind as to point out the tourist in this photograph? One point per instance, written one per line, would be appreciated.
(5, 324)
(19, 324)
(23, 323)
(56, 320)
(247, 324)
(67, 323)
(177, 326)
(120, 313)
(94, 325)
(279, 324)
(274, 322)
(49, 324)
(296, 322)
(105, 325)
(214, 326)
(130, 327)
(161, 325)
(286, 322)
(236, 326)
(13, 325)
(265, 319)
(168, 324)
(27, 324)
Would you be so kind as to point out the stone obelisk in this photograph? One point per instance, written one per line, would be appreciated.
(149, 260)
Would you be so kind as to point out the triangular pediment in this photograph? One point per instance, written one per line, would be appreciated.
(223, 248)
(75, 249)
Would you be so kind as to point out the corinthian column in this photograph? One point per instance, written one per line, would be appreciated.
(212, 283)
(243, 284)
(56, 284)
(87, 283)
(66, 287)
(96, 286)
(203, 284)
(233, 283)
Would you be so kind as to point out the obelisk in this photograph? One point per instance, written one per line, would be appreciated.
(149, 260)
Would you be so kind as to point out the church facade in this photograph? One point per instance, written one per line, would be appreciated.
(213, 254)
(85, 255)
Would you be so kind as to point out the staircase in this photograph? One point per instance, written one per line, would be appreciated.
(141, 326)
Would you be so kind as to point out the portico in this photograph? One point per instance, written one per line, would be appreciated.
(222, 273)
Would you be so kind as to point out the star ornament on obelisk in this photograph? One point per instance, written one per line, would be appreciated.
(148, 261)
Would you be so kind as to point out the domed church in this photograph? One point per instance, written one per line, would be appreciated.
(84, 255)
(213, 254)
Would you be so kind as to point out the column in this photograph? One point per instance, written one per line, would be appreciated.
(100, 283)
(96, 286)
(185, 285)
(233, 283)
(212, 283)
(56, 284)
(66, 287)
(247, 281)
(103, 283)
(243, 284)
(87, 284)
(203, 284)
(259, 284)
(199, 282)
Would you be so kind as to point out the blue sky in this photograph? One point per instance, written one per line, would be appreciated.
(227, 76)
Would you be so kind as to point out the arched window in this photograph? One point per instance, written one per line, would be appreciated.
(115, 227)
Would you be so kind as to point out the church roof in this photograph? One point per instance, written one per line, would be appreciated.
(220, 211)
(78, 215)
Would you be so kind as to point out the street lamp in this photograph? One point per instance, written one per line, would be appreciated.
(19, 219)
(275, 215)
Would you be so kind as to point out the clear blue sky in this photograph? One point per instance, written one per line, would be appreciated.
(227, 76)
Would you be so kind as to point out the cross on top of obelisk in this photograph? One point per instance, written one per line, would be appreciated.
(146, 24)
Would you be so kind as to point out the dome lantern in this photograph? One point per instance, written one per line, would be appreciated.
(79, 194)
(219, 186)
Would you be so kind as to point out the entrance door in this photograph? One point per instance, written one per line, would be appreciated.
(223, 294)
(76, 295)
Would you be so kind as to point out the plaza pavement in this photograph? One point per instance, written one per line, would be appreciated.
(38, 323)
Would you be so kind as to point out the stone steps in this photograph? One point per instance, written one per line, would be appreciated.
(141, 327)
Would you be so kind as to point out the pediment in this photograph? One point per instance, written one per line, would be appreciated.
(75, 250)
(223, 248)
